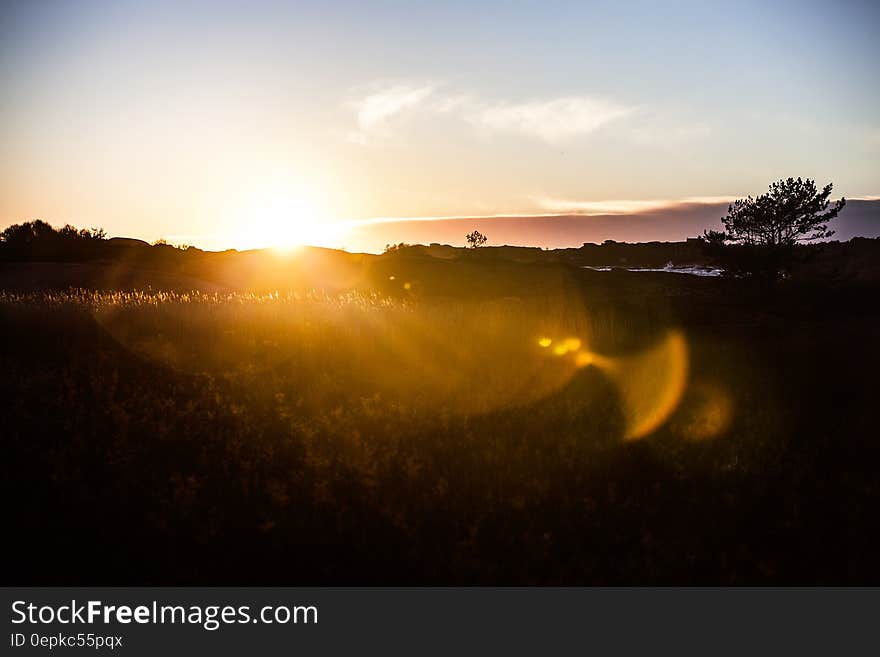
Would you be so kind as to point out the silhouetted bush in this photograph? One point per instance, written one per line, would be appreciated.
(37, 240)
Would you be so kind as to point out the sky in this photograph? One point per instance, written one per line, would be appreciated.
(242, 124)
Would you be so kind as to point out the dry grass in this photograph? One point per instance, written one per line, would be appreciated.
(312, 438)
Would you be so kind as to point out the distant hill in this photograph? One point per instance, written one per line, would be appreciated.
(860, 218)
(36, 256)
(122, 264)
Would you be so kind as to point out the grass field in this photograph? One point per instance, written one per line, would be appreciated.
(617, 428)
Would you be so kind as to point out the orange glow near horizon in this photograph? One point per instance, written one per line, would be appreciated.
(283, 217)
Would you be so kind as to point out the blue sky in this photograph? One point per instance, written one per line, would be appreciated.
(193, 119)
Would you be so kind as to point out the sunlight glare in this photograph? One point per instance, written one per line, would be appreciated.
(284, 217)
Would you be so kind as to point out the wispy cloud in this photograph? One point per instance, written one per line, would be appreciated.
(568, 206)
(549, 206)
(377, 110)
(551, 120)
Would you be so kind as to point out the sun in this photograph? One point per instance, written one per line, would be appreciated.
(284, 222)
(283, 212)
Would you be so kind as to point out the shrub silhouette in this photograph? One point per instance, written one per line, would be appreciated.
(476, 239)
(394, 248)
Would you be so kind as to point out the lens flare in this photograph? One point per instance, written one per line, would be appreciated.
(572, 344)
(650, 382)
(706, 413)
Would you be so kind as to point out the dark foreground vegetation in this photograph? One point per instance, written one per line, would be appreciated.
(228, 419)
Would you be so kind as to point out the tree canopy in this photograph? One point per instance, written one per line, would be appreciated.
(791, 211)
(476, 239)
(760, 234)
(38, 239)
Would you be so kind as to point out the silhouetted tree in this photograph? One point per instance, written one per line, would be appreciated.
(39, 240)
(22, 235)
(760, 234)
(791, 211)
(476, 239)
